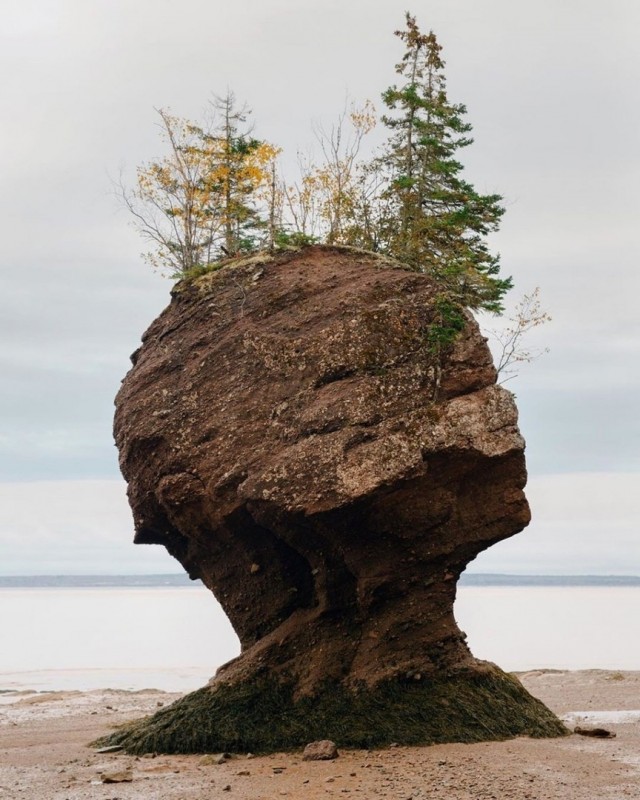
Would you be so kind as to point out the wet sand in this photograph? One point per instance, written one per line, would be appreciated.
(44, 754)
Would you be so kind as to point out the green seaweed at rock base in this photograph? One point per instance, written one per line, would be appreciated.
(263, 717)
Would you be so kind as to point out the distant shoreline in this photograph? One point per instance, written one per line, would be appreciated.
(178, 580)
(498, 579)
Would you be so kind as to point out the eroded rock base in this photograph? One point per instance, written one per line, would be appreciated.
(263, 717)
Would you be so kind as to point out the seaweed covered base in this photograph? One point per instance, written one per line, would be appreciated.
(264, 717)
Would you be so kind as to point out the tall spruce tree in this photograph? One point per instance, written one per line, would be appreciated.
(438, 221)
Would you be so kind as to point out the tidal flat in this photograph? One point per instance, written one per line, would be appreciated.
(44, 752)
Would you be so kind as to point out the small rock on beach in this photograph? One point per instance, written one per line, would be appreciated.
(323, 750)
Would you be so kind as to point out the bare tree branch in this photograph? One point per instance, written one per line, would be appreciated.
(512, 350)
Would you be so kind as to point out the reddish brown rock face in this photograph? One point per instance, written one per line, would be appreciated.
(280, 437)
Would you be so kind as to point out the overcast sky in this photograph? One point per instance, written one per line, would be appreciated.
(552, 92)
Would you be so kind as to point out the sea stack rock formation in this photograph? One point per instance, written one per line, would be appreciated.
(288, 433)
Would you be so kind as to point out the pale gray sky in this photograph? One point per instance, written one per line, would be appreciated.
(552, 92)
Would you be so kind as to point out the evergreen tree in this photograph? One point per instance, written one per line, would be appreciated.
(436, 221)
(238, 169)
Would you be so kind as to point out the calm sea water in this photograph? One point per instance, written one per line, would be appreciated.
(174, 637)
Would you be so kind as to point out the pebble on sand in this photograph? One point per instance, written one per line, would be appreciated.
(124, 776)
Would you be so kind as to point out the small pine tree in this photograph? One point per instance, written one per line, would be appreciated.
(240, 165)
(436, 221)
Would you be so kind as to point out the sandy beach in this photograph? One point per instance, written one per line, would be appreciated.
(44, 754)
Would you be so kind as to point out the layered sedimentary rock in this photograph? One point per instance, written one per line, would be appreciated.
(291, 435)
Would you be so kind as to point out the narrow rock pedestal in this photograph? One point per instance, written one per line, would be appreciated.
(291, 435)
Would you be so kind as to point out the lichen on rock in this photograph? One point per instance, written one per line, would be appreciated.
(283, 437)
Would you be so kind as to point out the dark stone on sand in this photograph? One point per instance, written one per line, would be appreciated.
(598, 733)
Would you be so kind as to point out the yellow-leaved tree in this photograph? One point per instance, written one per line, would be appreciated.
(208, 197)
